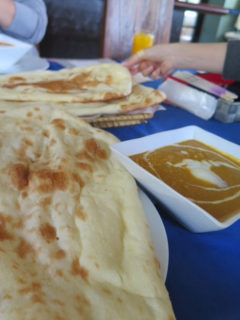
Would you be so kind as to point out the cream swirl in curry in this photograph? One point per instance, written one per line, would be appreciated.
(202, 174)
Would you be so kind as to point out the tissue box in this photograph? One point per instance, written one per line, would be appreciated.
(195, 94)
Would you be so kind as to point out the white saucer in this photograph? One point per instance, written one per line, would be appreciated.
(27, 63)
(158, 233)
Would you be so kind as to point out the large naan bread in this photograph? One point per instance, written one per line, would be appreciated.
(140, 98)
(74, 243)
(100, 82)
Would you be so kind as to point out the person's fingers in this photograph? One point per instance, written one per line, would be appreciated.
(162, 69)
(157, 73)
(144, 65)
(148, 70)
(134, 60)
(166, 67)
(133, 71)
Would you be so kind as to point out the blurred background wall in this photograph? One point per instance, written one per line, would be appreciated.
(76, 28)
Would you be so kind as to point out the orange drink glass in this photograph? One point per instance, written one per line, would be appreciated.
(141, 41)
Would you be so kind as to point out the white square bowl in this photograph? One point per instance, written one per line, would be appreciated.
(9, 55)
(185, 211)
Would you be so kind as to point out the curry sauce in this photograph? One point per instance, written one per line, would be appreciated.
(204, 175)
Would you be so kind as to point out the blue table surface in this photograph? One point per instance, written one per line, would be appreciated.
(203, 278)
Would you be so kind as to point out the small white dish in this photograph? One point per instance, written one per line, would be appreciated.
(157, 231)
(11, 50)
(185, 211)
(28, 63)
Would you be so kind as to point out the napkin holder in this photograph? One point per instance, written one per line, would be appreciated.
(201, 97)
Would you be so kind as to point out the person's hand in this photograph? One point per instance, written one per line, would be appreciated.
(160, 59)
(156, 61)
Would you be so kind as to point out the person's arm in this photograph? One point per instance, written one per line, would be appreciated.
(7, 12)
(29, 22)
(161, 59)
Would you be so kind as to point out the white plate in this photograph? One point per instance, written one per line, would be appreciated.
(28, 63)
(158, 233)
(9, 55)
(188, 213)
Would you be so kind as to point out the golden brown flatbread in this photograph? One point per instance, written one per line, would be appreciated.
(74, 243)
(100, 82)
(140, 98)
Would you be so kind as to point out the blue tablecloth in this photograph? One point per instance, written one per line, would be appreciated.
(204, 269)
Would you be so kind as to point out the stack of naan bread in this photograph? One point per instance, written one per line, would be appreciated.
(74, 243)
(91, 90)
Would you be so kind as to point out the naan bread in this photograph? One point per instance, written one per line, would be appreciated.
(100, 82)
(140, 98)
(74, 243)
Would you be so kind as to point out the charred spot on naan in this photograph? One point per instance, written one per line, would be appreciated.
(45, 202)
(16, 79)
(83, 154)
(59, 124)
(46, 133)
(19, 174)
(59, 254)
(41, 180)
(80, 213)
(4, 233)
(84, 166)
(94, 149)
(48, 232)
(48, 180)
(52, 142)
(27, 141)
(73, 131)
(78, 270)
(24, 194)
(35, 291)
(24, 248)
